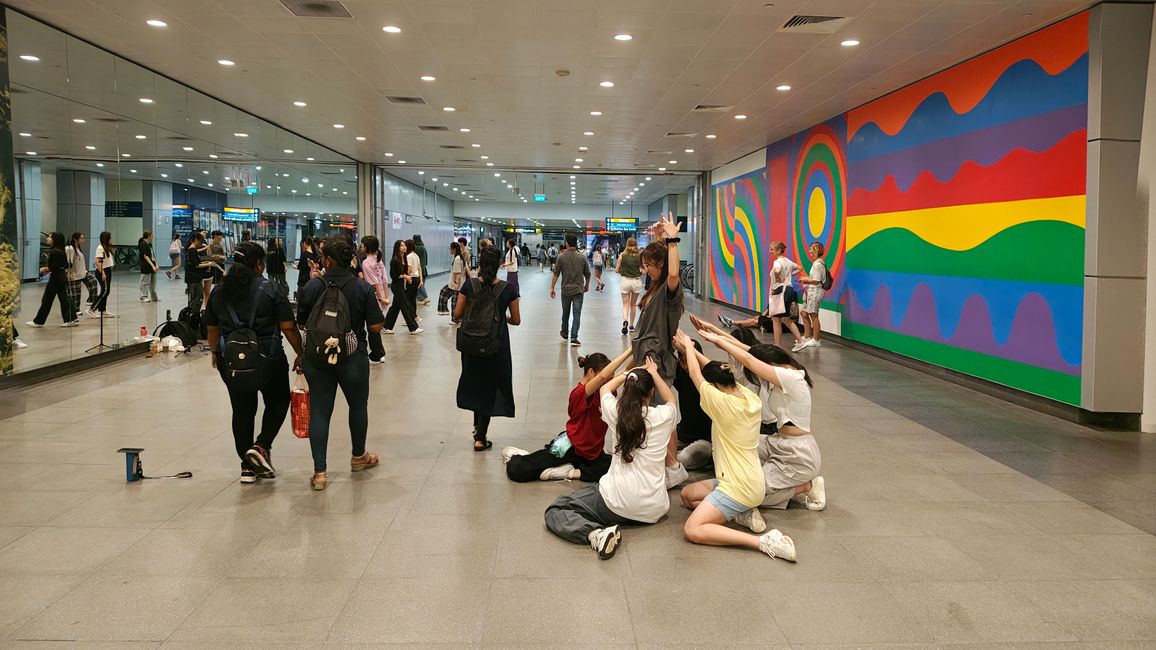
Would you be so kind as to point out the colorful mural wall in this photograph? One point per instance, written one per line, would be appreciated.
(952, 210)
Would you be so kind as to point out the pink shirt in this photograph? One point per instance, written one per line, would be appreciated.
(374, 270)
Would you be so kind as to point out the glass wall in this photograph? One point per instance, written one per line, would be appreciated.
(102, 145)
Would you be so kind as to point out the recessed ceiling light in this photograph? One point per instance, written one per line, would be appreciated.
(241, 135)
(164, 175)
(583, 148)
(401, 162)
(849, 43)
(100, 164)
(647, 178)
(497, 175)
(179, 164)
(25, 134)
(672, 162)
(226, 62)
(78, 120)
(783, 88)
(190, 180)
(360, 138)
(607, 84)
(642, 184)
(205, 171)
(689, 150)
(740, 116)
(485, 157)
(578, 160)
(434, 179)
(90, 147)
(476, 145)
(187, 148)
(577, 166)
(587, 133)
(258, 168)
(428, 77)
(140, 136)
(126, 155)
(388, 154)
(445, 184)
(132, 171)
(489, 164)
(29, 57)
(662, 169)
(711, 136)
(309, 158)
(156, 23)
(391, 29)
(449, 109)
(30, 153)
(339, 126)
(145, 100)
(596, 113)
(287, 150)
(572, 176)
(213, 155)
(421, 173)
(623, 37)
(206, 122)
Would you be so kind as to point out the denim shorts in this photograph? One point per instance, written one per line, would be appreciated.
(726, 505)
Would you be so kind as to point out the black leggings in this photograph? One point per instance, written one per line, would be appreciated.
(275, 394)
(56, 289)
(401, 303)
(105, 281)
(481, 425)
(524, 469)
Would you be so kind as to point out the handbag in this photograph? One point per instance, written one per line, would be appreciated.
(299, 407)
(776, 303)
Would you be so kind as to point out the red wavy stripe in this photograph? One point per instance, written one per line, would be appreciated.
(1022, 174)
(1055, 48)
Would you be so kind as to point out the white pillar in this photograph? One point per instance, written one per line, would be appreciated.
(1147, 187)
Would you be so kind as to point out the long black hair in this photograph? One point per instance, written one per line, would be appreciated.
(372, 246)
(397, 255)
(634, 397)
(246, 257)
(776, 356)
(74, 242)
(105, 241)
(719, 374)
(56, 240)
(489, 259)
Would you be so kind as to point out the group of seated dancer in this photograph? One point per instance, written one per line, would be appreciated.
(623, 431)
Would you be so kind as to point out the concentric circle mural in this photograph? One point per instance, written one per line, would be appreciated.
(820, 199)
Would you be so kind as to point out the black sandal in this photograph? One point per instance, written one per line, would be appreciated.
(486, 444)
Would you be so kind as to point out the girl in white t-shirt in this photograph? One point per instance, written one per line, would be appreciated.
(598, 260)
(633, 491)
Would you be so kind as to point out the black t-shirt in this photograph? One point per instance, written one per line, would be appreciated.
(275, 260)
(57, 264)
(695, 423)
(193, 275)
(303, 267)
(145, 249)
(272, 309)
(363, 307)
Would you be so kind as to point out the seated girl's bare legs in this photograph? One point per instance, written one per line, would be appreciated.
(693, 494)
(706, 526)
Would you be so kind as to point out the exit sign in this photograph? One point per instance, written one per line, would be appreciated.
(539, 198)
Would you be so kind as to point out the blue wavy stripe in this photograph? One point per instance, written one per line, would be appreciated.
(1002, 296)
(1023, 90)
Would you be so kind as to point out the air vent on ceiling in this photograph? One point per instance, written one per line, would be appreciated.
(465, 160)
(317, 8)
(814, 24)
(411, 101)
(712, 108)
(659, 152)
(452, 146)
(110, 120)
(674, 134)
(433, 129)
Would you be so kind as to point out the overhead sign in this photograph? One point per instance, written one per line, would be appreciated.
(251, 190)
(621, 224)
(539, 198)
(241, 214)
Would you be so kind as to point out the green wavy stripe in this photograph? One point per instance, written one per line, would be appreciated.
(1036, 251)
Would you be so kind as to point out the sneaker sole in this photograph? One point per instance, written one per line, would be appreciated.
(248, 479)
(260, 461)
(611, 546)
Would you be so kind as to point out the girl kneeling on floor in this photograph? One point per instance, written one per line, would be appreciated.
(576, 453)
(634, 490)
(735, 415)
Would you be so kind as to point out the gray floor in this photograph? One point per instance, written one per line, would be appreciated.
(953, 519)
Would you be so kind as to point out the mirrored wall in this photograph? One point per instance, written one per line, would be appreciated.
(102, 145)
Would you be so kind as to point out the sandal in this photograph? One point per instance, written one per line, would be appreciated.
(318, 481)
(486, 444)
(364, 461)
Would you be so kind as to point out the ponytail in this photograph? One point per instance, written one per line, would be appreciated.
(489, 259)
(719, 374)
(776, 356)
(636, 393)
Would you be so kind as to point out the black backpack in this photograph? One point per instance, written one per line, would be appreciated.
(176, 328)
(191, 317)
(329, 336)
(828, 280)
(239, 358)
(481, 327)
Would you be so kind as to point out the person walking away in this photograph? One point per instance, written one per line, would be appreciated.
(354, 305)
(572, 268)
(629, 269)
(541, 258)
(598, 261)
(174, 273)
(148, 268)
(399, 279)
(374, 273)
(813, 298)
(250, 315)
(423, 259)
(195, 268)
(486, 385)
(275, 261)
(552, 255)
(448, 297)
(577, 452)
(525, 254)
(57, 286)
(633, 491)
(510, 263)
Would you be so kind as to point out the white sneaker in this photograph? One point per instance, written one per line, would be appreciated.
(33, 324)
(109, 314)
(387, 331)
(91, 313)
(799, 345)
(815, 344)
(559, 473)
(816, 497)
(417, 331)
(676, 476)
(776, 544)
(605, 541)
(71, 323)
(20, 345)
(696, 455)
(510, 452)
(752, 519)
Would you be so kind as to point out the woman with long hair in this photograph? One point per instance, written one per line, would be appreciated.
(598, 260)
(105, 262)
(734, 496)
(633, 491)
(416, 276)
(629, 269)
(195, 267)
(57, 287)
(275, 261)
(309, 263)
(486, 385)
(510, 263)
(373, 272)
(448, 297)
(576, 452)
(399, 281)
(248, 301)
(78, 274)
(175, 247)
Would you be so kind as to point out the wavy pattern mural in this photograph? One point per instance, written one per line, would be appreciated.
(953, 211)
(738, 260)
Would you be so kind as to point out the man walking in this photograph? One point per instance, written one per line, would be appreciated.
(575, 273)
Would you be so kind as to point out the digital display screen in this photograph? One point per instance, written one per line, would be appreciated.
(621, 224)
(242, 214)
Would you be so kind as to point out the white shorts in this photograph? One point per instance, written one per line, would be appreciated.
(630, 285)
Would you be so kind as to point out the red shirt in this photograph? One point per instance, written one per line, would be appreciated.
(585, 428)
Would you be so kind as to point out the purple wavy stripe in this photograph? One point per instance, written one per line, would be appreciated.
(943, 158)
(1032, 339)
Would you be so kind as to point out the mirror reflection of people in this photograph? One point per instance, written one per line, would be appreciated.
(174, 273)
(56, 268)
(148, 268)
(105, 262)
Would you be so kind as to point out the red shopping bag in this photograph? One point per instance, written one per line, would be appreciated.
(299, 407)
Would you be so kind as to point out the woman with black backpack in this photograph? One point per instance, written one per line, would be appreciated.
(486, 386)
(249, 314)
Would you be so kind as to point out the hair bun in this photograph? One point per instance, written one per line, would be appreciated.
(581, 362)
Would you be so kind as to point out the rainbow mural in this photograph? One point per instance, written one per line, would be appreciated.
(952, 210)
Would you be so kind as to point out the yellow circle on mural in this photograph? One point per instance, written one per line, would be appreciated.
(817, 212)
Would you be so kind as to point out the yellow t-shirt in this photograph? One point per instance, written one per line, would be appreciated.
(735, 437)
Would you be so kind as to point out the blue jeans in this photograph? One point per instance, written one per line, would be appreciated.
(575, 303)
(421, 294)
(353, 378)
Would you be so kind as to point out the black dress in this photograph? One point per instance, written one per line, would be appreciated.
(486, 386)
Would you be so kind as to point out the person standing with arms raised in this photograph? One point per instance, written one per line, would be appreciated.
(575, 274)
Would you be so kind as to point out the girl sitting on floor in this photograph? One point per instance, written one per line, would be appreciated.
(576, 453)
(634, 490)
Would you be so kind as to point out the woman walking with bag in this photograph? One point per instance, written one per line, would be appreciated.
(486, 386)
(373, 272)
(247, 301)
(630, 283)
(175, 257)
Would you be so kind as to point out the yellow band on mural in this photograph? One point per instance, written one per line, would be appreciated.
(962, 227)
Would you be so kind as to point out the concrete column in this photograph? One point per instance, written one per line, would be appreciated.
(80, 200)
(366, 223)
(29, 201)
(1114, 262)
(9, 243)
(1148, 201)
(157, 214)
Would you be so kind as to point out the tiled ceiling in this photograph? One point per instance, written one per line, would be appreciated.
(524, 76)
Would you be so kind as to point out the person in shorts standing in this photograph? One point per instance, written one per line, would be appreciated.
(813, 298)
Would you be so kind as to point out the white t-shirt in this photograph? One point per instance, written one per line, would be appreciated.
(458, 267)
(511, 260)
(792, 402)
(77, 265)
(818, 272)
(597, 258)
(637, 490)
(781, 272)
(414, 263)
(109, 261)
